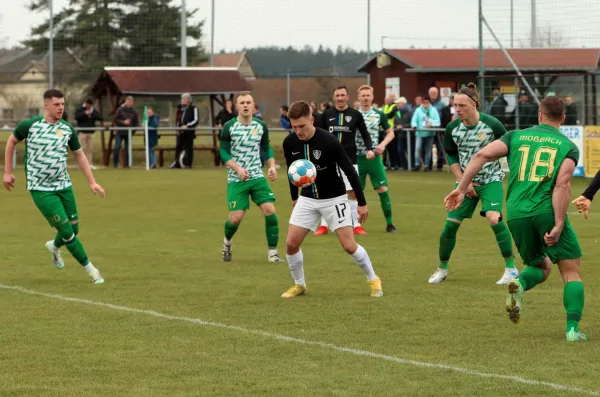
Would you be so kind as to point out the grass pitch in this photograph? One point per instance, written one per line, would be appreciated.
(156, 239)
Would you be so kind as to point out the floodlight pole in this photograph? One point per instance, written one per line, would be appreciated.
(212, 34)
(368, 38)
(51, 48)
(480, 83)
(183, 39)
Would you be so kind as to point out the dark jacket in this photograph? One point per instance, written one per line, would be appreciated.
(124, 113)
(571, 114)
(446, 116)
(86, 121)
(152, 130)
(402, 119)
(224, 116)
(187, 117)
(317, 119)
(498, 109)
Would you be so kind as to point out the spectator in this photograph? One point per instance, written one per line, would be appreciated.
(528, 115)
(283, 118)
(498, 106)
(391, 152)
(125, 116)
(153, 122)
(438, 138)
(570, 111)
(225, 114)
(424, 117)
(256, 112)
(186, 133)
(418, 101)
(316, 115)
(402, 120)
(325, 105)
(86, 117)
(448, 112)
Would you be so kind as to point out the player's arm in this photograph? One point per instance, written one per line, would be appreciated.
(343, 161)
(270, 156)
(364, 133)
(593, 187)
(287, 153)
(451, 150)
(20, 133)
(562, 192)
(384, 124)
(491, 152)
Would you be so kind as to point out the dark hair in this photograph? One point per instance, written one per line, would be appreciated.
(49, 94)
(341, 87)
(326, 104)
(553, 108)
(299, 109)
(285, 108)
(89, 102)
(426, 98)
(471, 91)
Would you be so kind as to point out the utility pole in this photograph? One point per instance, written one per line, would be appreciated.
(212, 34)
(480, 83)
(51, 48)
(368, 37)
(183, 39)
(533, 25)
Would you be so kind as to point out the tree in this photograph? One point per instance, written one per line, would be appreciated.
(546, 37)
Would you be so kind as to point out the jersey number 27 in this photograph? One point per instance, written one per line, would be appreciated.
(541, 166)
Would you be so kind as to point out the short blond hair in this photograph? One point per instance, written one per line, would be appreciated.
(365, 87)
(244, 93)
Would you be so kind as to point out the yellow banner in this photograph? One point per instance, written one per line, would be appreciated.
(591, 143)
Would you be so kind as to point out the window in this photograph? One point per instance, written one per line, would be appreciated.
(32, 112)
(7, 114)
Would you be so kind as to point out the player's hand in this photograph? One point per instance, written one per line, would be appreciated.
(379, 149)
(272, 173)
(454, 200)
(370, 155)
(294, 203)
(9, 181)
(471, 193)
(363, 213)
(583, 205)
(243, 173)
(97, 189)
(553, 236)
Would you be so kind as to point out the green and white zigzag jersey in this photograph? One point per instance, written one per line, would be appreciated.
(464, 142)
(244, 144)
(374, 120)
(46, 152)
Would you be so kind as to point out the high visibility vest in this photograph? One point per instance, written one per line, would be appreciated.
(387, 108)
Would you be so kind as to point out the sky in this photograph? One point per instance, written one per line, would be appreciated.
(394, 23)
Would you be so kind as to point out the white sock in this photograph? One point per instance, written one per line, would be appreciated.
(272, 251)
(323, 222)
(364, 262)
(227, 242)
(354, 210)
(89, 268)
(296, 264)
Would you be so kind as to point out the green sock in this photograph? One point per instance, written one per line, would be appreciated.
(230, 230)
(386, 206)
(272, 230)
(58, 241)
(573, 299)
(76, 249)
(447, 242)
(504, 241)
(530, 277)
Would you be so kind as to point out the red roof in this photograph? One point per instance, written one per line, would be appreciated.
(525, 58)
(175, 80)
(227, 60)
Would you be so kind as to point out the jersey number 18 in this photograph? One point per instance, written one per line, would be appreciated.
(541, 166)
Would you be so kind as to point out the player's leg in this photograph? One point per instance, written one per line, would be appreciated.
(492, 197)
(237, 205)
(379, 181)
(448, 237)
(567, 253)
(358, 229)
(263, 196)
(338, 216)
(305, 217)
(532, 249)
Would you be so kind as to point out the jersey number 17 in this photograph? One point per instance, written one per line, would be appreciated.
(541, 166)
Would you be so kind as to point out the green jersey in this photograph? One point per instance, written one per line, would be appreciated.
(534, 157)
(46, 152)
(462, 142)
(241, 143)
(374, 120)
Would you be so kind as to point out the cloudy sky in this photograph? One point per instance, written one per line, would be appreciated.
(396, 23)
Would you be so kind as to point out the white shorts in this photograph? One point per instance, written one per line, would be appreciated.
(346, 182)
(335, 211)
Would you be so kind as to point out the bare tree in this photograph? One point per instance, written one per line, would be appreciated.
(546, 37)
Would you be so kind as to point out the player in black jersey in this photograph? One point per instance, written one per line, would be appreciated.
(584, 202)
(325, 198)
(343, 121)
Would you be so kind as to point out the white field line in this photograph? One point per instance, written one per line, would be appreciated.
(329, 346)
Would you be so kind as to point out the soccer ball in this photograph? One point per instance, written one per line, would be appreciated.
(302, 173)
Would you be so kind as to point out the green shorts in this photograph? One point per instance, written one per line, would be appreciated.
(491, 196)
(57, 207)
(528, 234)
(374, 169)
(238, 192)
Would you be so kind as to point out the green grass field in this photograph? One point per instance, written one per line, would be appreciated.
(202, 327)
